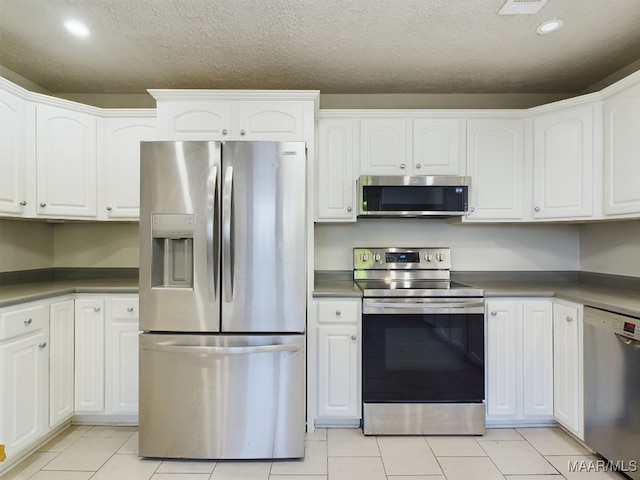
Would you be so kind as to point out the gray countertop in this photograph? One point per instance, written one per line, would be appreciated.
(621, 300)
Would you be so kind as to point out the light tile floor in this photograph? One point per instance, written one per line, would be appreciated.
(110, 453)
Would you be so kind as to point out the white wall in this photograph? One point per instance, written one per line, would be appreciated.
(611, 247)
(473, 247)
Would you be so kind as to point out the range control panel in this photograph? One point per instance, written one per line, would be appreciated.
(402, 258)
(622, 325)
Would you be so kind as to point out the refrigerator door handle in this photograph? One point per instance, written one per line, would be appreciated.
(222, 351)
(227, 268)
(212, 256)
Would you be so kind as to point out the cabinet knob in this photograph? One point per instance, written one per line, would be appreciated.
(23, 203)
(402, 165)
(569, 319)
(349, 209)
(224, 131)
(338, 313)
(353, 337)
(43, 344)
(43, 204)
(494, 313)
(418, 165)
(96, 309)
(537, 209)
(109, 209)
(129, 309)
(28, 321)
(243, 132)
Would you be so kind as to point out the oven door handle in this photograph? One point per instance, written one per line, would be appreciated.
(418, 307)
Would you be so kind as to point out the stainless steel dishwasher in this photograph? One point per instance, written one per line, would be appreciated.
(612, 388)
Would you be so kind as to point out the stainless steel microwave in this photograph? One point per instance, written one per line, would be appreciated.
(416, 196)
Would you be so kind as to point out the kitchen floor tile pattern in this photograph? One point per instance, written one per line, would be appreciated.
(110, 453)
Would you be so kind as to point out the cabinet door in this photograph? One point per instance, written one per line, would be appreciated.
(383, 146)
(622, 153)
(537, 359)
(568, 374)
(563, 163)
(122, 355)
(122, 139)
(436, 146)
(495, 162)
(338, 385)
(24, 372)
(503, 363)
(336, 186)
(61, 359)
(281, 121)
(194, 120)
(66, 144)
(12, 154)
(89, 355)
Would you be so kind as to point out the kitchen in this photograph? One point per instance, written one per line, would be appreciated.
(538, 245)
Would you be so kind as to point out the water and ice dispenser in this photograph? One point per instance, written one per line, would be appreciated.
(172, 258)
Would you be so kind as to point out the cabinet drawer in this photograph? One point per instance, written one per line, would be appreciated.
(338, 312)
(125, 308)
(22, 322)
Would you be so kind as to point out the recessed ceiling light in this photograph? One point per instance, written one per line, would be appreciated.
(549, 26)
(79, 29)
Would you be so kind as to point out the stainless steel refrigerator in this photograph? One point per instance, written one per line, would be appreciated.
(222, 299)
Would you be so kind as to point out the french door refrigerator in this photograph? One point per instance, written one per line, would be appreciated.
(222, 299)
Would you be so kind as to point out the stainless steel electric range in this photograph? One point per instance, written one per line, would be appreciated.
(423, 344)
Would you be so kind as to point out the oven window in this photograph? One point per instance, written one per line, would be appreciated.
(415, 198)
(423, 358)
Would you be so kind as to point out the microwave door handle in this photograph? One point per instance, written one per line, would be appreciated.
(212, 254)
(227, 254)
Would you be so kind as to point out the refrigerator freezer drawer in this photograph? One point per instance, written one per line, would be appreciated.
(222, 397)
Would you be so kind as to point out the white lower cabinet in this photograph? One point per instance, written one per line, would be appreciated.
(519, 362)
(338, 362)
(61, 360)
(106, 379)
(568, 366)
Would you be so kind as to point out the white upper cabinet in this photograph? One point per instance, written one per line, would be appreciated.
(66, 146)
(235, 115)
(622, 153)
(495, 159)
(383, 147)
(563, 163)
(335, 174)
(122, 163)
(436, 146)
(12, 154)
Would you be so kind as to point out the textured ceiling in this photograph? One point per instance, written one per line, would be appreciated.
(335, 46)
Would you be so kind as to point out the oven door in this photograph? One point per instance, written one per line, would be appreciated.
(423, 366)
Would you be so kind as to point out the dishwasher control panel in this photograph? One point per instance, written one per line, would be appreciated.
(621, 324)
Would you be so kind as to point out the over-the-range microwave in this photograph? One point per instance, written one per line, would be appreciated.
(413, 196)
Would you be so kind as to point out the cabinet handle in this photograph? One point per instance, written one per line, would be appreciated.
(353, 337)
(418, 165)
(537, 209)
(109, 209)
(224, 131)
(43, 344)
(569, 319)
(129, 309)
(96, 309)
(243, 132)
(402, 165)
(338, 313)
(23, 203)
(28, 321)
(43, 204)
(349, 209)
(494, 314)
